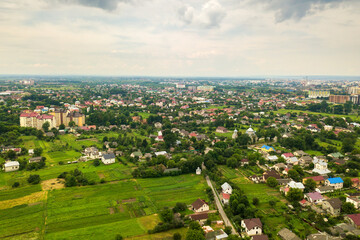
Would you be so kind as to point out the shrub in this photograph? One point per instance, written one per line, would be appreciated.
(16, 184)
(33, 179)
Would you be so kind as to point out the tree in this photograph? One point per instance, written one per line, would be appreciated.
(228, 230)
(347, 182)
(46, 126)
(179, 207)
(293, 174)
(348, 208)
(16, 184)
(177, 236)
(310, 185)
(72, 124)
(96, 162)
(118, 237)
(255, 201)
(33, 179)
(347, 145)
(37, 152)
(295, 195)
(195, 235)
(272, 203)
(272, 182)
(62, 127)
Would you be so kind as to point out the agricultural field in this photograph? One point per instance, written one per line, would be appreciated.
(128, 207)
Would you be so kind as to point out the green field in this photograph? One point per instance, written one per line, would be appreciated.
(127, 207)
(284, 111)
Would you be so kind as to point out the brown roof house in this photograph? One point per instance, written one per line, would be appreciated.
(332, 206)
(200, 206)
(286, 234)
(252, 226)
(200, 217)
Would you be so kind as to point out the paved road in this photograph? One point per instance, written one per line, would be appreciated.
(220, 208)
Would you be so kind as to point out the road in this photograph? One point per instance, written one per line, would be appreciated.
(220, 208)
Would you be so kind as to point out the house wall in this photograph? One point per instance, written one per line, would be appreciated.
(203, 208)
(11, 169)
(356, 203)
(108, 161)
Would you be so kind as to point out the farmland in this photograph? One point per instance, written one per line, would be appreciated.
(127, 207)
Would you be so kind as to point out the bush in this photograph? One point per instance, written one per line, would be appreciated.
(102, 180)
(96, 162)
(177, 236)
(61, 163)
(16, 184)
(118, 237)
(33, 179)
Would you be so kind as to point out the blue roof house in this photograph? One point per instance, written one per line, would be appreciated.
(336, 182)
(267, 148)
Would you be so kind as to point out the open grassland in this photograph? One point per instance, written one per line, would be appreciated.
(127, 207)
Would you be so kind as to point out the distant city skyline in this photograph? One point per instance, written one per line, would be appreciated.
(230, 38)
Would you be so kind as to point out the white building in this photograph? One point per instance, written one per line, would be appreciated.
(252, 226)
(235, 134)
(226, 188)
(321, 168)
(108, 158)
(11, 166)
(198, 171)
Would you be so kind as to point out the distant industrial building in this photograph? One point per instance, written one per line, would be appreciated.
(319, 94)
(339, 98)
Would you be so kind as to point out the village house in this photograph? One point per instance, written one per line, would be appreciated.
(221, 130)
(252, 226)
(353, 219)
(11, 166)
(225, 198)
(136, 154)
(92, 152)
(355, 182)
(354, 199)
(200, 206)
(337, 182)
(108, 158)
(286, 234)
(272, 158)
(270, 173)
(321, 168)
(244, 162)
(35, 159)
(324, 189)
(287, 156)
(332, 206)
(314, 197)
(266, 148)
(305, 160)
(226, 188)
(300, 153)
(318, 179)
(200, 217)
(260, 237)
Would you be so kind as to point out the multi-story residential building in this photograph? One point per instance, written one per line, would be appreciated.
(339, 98)
(319, 94)
(65, 117)
(35, 120)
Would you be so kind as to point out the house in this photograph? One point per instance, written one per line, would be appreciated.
(161, 153)
(337, 182)
(270, 173)
(225, 198)
(200, 206)
(318, 179)
(200, 217)
(31, 151)
(216, 235)
(272, 158)
(292, 160)
(108, 158)
(221, 130)
(297, 185)
(286, 234)
(136, 154)
(226, 188)
(11, 166)
(92, 152)
(158, 125)
(252, 226)
(198, 171)
(332, 206)
(314, 197)
(244, 162)
(355, 182)
(321, 236)
(266, 148)
(300, 153)
(335, 155)
(321, 168)
(354, 199)
(305, 160)
(354, 219)
(283, 182)
(260, 237)
(286, 156)
(35, 159)
(256, 179)
(279, 167)
(324, 189)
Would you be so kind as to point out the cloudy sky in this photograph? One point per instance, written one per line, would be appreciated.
(180, 37)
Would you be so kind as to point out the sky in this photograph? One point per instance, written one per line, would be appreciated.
(217, 38)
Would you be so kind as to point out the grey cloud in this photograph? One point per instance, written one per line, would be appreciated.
(297, 9)
(109, 5)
